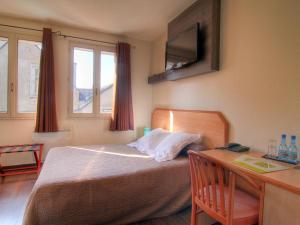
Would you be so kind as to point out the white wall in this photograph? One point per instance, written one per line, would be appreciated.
(81, 131)
(257, 87)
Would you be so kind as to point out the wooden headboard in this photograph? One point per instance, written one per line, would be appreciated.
(212, 125)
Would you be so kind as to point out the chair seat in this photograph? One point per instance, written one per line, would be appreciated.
(246, 207)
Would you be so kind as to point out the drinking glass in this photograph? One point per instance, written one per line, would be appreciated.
(272, 148)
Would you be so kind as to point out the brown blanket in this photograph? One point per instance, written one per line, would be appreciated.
(109, 184)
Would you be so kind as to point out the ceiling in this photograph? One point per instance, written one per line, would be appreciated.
(141, 19)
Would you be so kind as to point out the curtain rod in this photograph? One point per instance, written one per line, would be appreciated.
(58, 33)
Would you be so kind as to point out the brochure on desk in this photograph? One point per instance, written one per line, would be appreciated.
(258, 165)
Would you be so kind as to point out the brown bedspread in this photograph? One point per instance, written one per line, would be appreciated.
(108, 184)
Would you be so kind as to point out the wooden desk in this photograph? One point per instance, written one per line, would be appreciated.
(282, 188)
(286, 179)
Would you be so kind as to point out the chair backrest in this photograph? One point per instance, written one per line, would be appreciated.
(209, 181)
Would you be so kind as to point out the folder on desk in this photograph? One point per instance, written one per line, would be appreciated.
(258, 165)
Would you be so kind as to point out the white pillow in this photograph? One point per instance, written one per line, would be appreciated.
(170, 147)
(148, 143)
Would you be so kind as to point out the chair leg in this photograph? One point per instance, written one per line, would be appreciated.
(261, 204)
(194, 214)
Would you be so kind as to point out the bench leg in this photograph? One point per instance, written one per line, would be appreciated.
(38, 159)
(1, 171)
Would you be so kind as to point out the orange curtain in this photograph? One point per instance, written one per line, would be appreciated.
(46, 120)
(122, 118)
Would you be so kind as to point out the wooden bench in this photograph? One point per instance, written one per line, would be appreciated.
(36, 149)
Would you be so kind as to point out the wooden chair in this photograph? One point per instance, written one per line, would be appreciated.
(220, 199)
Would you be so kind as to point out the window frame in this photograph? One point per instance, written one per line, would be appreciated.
(30, 115)
(12, 91)
(97, 49)
(9, 70)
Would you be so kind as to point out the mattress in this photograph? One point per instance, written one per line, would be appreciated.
(107, 184)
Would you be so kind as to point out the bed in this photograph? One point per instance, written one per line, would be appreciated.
(116, 184)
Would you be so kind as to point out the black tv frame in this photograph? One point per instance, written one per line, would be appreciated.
(197, 25)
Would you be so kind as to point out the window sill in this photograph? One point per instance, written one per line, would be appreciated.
(90, 117)
(17, 117)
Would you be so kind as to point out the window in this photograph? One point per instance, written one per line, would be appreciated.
(3, 75)
(108, 75)
(83, 77)
(29, 53)
(93, 77)
(19, 75)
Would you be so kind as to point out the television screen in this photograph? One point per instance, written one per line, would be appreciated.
(182, 50)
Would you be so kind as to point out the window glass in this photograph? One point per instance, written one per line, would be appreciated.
(34, 80)
(29, 53)
(108, 76)
(83, 80)
(3, 74)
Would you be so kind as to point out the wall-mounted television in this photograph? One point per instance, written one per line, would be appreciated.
(184, 49)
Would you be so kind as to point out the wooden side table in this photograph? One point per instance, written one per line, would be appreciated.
(36, 149)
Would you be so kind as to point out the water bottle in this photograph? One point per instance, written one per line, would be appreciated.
(293, 150)
(282, 148)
